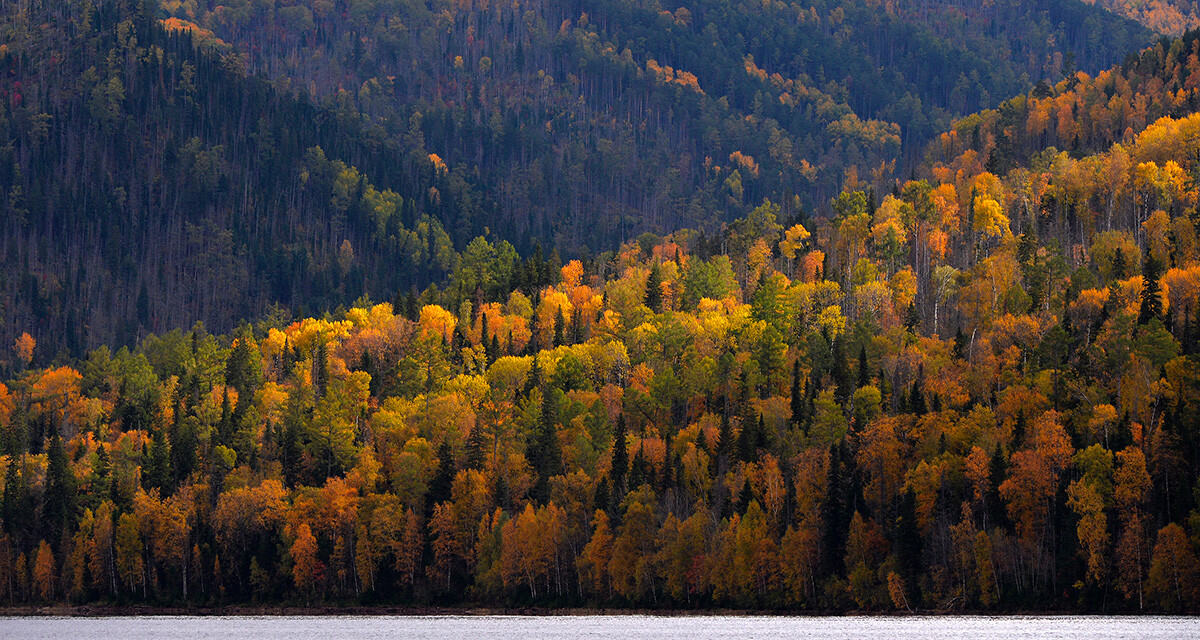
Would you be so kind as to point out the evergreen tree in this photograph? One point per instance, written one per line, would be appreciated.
(864, 374)
(1119, 267)
(908, 546)
(60, 488)
(477, 453)
(14, 499)
(620, 457)
(841, 373)
(745, 496)
(443, 479)
(654, 289)
(160, 464)
(637, 470)
(797, 399)
(545, 452)
(916, 399)
(600, 499)
(1151, 307)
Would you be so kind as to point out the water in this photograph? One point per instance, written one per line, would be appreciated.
(599, 627)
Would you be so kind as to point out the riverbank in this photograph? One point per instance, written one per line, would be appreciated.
(334, 610)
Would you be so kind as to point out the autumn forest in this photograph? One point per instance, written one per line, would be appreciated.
(300, 308)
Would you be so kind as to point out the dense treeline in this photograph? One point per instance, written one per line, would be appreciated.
(975, 389)
(149, 184)
(824, 414)
(149, 181)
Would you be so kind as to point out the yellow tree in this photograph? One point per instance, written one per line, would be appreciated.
(44, 573)
(130, 564)
(1089, 496)
(597, 553)
(1174, 579)
(307, 570)
(1032, 484)
(1130, 495)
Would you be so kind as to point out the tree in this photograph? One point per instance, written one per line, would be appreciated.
(1130, 493)
(128, 549)
(597, 554)
(307, 569)
(24, 349)
(1151, 295)
(60, 488)
(654, 289)
(1174, 579)
(45, 573)
(620, 458)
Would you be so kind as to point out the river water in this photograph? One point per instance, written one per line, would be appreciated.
(600, 627)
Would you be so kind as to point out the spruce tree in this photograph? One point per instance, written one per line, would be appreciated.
(476, 449)
(1151, 307)
(654, 289)
(908, 546)
(60, 488)
(797, 400)
(864, 374)
(620, 457)
(443, 478)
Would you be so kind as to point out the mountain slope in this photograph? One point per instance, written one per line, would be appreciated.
(1169, 17)
(150, 184)
(593, 120)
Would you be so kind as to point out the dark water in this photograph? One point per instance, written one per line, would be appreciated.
(600, 627)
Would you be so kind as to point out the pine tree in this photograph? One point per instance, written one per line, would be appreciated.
(10, 506)
(600, 499)
(545, 452)
(160, 464)
(1151, 307)
(560, 325)
(443, 478)
(916, 398)
(960, 344)
(654, 289)
(1119, 267)
(637, 470)
(477, 450)
(60, 488)
(908, 545)
(864, 374)
(620, 457)
(745, 496)
(797, 400)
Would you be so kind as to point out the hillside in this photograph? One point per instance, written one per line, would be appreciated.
(150, 184)
(592, 121)
(1169, 17)
(978, 391)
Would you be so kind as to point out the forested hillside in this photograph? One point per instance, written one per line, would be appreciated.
(151, 179)
(592, 121)
(758, 361)
(1170, 17)
(149, 185)
(978, 390)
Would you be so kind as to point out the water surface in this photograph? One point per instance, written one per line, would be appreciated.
(616, 627)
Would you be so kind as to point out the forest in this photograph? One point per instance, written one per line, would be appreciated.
(947, 398)
(265, 348)
(183, 161)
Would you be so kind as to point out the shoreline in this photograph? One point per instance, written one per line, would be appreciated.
(116, 611)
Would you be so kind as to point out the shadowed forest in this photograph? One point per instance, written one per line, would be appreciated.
(425, 376)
